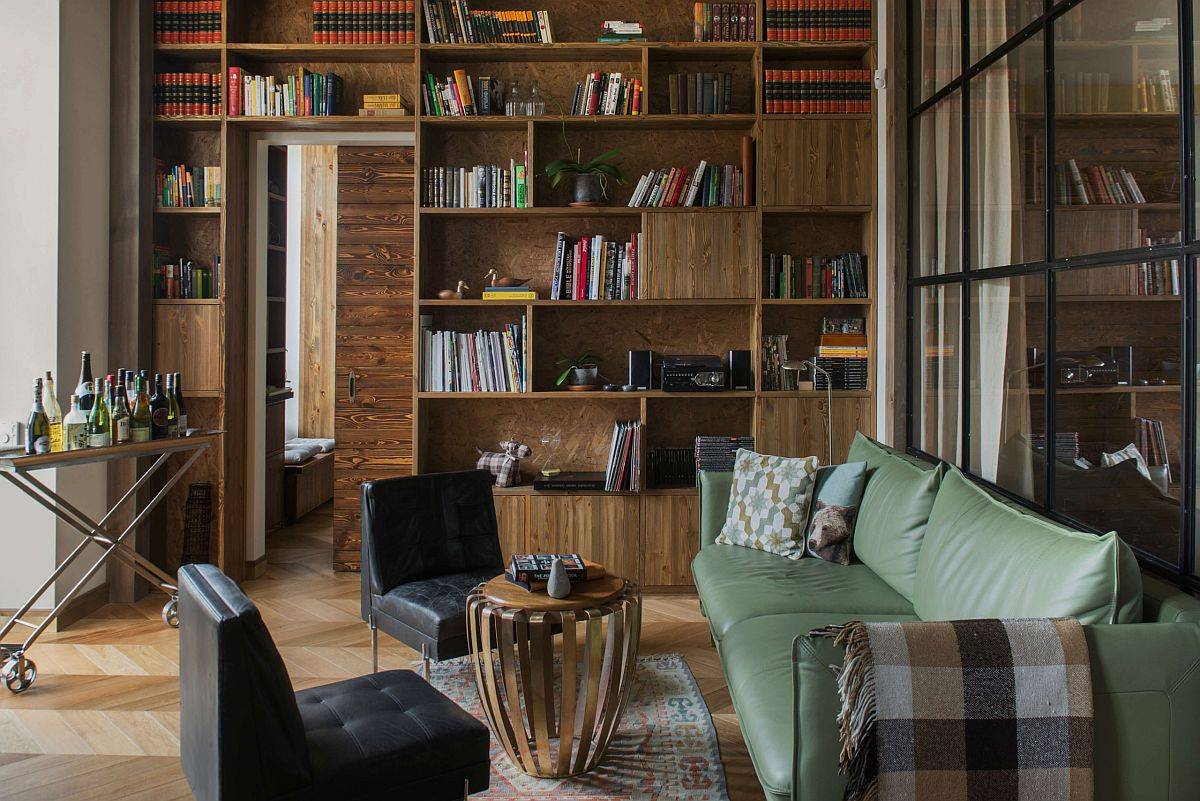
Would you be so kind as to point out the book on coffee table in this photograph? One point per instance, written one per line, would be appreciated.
(531, 571)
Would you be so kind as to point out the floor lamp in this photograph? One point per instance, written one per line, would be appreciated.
(811, 364)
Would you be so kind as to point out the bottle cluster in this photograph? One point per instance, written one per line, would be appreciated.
(119, 408)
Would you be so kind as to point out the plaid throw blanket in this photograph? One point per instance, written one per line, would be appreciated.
(977, 710)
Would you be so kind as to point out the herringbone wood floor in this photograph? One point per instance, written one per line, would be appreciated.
(102, 721)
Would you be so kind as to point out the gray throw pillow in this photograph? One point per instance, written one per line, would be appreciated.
(839, 485)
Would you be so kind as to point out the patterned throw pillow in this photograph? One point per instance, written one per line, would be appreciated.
(831, 533)
(768, 503)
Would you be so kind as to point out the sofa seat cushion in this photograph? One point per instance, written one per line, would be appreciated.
(757, 657)
(436, 607)
(736, 584)
(385, 731)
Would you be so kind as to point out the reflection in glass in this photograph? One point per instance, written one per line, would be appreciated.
(1007, 130)
(938, 246)
(1008, 359)
(993, 22)
(937, 44)
(1117, 408)
(939, 331)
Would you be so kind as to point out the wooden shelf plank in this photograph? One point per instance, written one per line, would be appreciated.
(1124, 389)
(191, 121)
(799, 50)
(1107, 298)
(527, 489)
(847, 211)
(332, 122)
(193, 52)
(814, 393)
(538, 211)
(614, 121)
(827, 116)
(817, 302)
(594, 394)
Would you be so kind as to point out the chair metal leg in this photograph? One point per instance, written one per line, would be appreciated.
(425, 660)
(374, 644)
(466, 788)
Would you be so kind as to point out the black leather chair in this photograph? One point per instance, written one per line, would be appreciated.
(427, 541)
(245, 736)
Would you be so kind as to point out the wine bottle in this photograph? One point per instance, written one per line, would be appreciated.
(86, 389)
(139, 417)
(75, 425)
(37, 430)
(172, 408)
(183, 420)
(53, 413)
(159, 410)
(118, 408)
(99, 421)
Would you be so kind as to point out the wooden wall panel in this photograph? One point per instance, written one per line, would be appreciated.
(818, 162)
(318, 289)
(701, 255)
(670, 539)
(187, 338)
(510, 514)
(603, 528)
(796, 426)
(374, 331)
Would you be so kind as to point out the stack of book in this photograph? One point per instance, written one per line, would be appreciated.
(187, 93)
(818, 20)
(724, 22)
(304, 94)
(1096, 185)
(717, 454)
(1066, 444)
(774, 354)
(595, 268)
(482, 361)
(842, 352)
(453, 21)
(607, 94)
(703, 185)
(570, 481)
(616, 31)
(671, 467)
(788, 276)
(182, 186)
(1159, 93)
(817, 91)
(187, 21)
(623, 473)
(531, 571)
(364, 21)
(521, 292)
(484, 186)
(454, 95)
(384, 105)
(1150, 439)
(183, 278)
(1156, 278)
(700, 92)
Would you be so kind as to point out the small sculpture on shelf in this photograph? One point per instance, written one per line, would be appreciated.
(495, 279)
(458, 293)
(505, 466)
(559, 584)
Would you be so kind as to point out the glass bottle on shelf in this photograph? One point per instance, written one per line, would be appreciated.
(536, 105)
(99, 421)
(37, 428)
(139, 417)
(53, 413)
(514, 101)
(75, 433)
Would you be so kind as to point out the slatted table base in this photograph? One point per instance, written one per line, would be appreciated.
(555, 717)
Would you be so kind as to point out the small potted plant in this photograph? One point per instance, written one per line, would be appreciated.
(590, 178)
(579, 373)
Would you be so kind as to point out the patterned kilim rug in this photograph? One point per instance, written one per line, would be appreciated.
(665, 750)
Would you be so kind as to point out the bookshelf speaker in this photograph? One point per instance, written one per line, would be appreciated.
(741, 376)
(642, 369)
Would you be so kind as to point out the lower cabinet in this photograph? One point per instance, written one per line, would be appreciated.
(603, 528)
(670, 539)
(510, 517)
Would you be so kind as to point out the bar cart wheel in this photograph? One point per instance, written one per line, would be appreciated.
(19, 673)
(170, 612)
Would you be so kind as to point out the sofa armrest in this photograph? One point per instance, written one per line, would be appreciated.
(714, 503)
(816, 662)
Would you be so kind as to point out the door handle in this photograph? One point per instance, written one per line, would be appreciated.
(353, 387)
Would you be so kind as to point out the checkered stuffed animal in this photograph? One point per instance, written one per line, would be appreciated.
(506, 466)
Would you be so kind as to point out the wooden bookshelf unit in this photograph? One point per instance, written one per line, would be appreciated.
(701, 269)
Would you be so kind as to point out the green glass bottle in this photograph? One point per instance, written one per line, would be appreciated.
(37, 429)
(158, 410)
(172, 409)
(118, 409)
(100, 420)
(139, 418)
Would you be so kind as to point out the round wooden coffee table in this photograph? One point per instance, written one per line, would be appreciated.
(554, 717)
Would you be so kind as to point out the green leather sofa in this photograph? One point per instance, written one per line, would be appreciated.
(930, 544)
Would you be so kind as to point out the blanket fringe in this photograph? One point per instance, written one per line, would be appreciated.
(856, 719)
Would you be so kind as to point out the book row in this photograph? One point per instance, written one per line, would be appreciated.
(304, 94)
(703, 185)
(484, 186)
(788, 276)
(818, 20)
(1097, 184)
(624, 470)
(187, 21)
(187, 93)
(700, 92)
(817, 91)
(774, 354)
(1158, 93)
(183, 278)
(608, 94)
(364, 21)
(841, 373)
(479, 361)
(181, 186)
(452, 21)
(724, 22)
(596, 268)
(1151, 442)
(1156, 278)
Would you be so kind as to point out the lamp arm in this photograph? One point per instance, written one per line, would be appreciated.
(812, 364)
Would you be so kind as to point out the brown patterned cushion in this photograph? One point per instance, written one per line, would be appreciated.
(831, 532)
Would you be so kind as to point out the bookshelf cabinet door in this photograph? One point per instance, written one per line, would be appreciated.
(796, 426)
(187, 338)
(701, 255)
(510, 516)
(603, 528)
(670, 539)
(818, 162)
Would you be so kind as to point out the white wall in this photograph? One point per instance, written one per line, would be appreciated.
(54, 271)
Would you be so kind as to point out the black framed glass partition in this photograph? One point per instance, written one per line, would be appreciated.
(1052, 255)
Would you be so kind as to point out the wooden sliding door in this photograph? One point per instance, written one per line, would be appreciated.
(373, 420)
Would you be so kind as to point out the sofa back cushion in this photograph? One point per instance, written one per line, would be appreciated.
(982, 559)
(894, 511)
